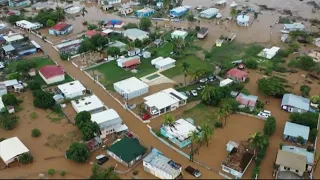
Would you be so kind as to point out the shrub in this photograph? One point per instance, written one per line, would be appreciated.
(251, 64)
(92, 27)
(218, 124)
(33, 85)
(78, 152)
(85, 23)
(63, 173)
(260, 105)
(51, 172)
(300, 140)
(310, 148)
(26, 158)
(135, 172)
(36, 133)
(305, 90)
(10, 100)
(64, 56)
(256, 172)
(281, 145)
(313, 135)
(270, 126)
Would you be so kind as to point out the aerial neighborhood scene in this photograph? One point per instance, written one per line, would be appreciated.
(159, 89)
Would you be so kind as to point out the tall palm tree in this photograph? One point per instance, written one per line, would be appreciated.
(194, 138)
(257, 141)
(207, 133)
(168, 120)
(100, 23)
(228, 110)
(83, 11)
(178, 44)
(185, 70)
(197, 74)
(221, 114)
(60, 13)
(207, 94)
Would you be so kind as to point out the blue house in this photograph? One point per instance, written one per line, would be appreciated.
(178, 11)
(294, 103)
(145, 12)
(179, 132)
(19, 3)
(21, 48)
(60, 29)
(292, 131)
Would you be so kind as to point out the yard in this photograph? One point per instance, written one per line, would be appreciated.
(164, 50)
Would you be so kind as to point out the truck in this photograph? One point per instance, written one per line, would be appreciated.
(231, 37)
(194, 172)
(202, 32)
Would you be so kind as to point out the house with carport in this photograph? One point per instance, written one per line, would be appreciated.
(11, 149)
(179, 34)
(294, 103)
(72, 89)
(179, 11)
(131, 88)
(293, 131)
(52, 74)
(129, 62)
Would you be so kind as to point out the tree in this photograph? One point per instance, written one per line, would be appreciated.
(207, 133)
(51, 172)
(130, 46)
(305, 90)
(113, 51)
(300, 140)
(233, 12)
(92, 27)
(10, 100)
(89, 130)
(313, 135)
(99, 172)
(137, 43)
(101, 23)
(8, 121)
(270, 126)
(26, 158)
(25, 66)
(251, 64)
(306, 63)
(309, 119)
(50, 23)
(271, 86)
(131, 26)
(207, 94)
(216, 95)
(14, 18)
(194, 138)
(14, 75)
(224, 112)
(190, 18)
(60, 13)
(257, 141)
(185, 70)
(33, 85)
(145, 23)
(83, 11)
(78, 152)
(98, 41)
(178, 45)
(81, 118)
(166, 4)
(43, 99)
(168, 120)
(86, 46)
(35, 133)
(197, 74)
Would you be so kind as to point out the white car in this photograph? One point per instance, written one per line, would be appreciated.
(264, 114)
(203, 80)
(194, 93)
(1, 65)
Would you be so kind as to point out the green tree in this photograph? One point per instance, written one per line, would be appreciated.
(98, 41)
(92, 27)
(168, 120)
(145, 23)
(113, 51)
(25, 66)
(309, 119)
(26, 158)
(8, 121)
(190, 18)
(137, 43)
(197, 74)
(43, 99)
(10, 100)
(256, 172)
(207, 133)
(306, 63)
(51, 172)
(207, 94)
(131, 26)
(300, 140)
(313, 135)
(251, 64)
(14, 75)
(233, 12)
(166, 4)
(85, 46)
(50, 23)
(89, 130)
(99, 172)
(130, 46)
(270, 126)
(60, 13)
(82, 118)
(271, 86)
(194, 138)
(305, 90)
(14, 18)
(178, 45)
(185, 70)
(257, 141)
(84, 11)
(36, 132)
(78, 152)
(33, 85)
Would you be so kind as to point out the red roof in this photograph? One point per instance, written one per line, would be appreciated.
(50, 71)
(237, 73)
(60, 26)
(92, 32)
(131, 62)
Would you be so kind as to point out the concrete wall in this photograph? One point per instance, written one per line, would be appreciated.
(53, 79)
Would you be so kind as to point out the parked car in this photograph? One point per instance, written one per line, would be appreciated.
(188, 93)
(195, 172)
(264, 114)
(2, 65)
(203, 80)
(194, 93)
(101, 159)
(199, 88)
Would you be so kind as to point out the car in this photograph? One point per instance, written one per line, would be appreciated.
(199, 88)
(203, 80)
(194, 93)
(102, 159)
(2, 65)
(194, 172)
(188, 93)
(264, 114)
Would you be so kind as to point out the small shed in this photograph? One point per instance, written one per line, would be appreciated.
(219, 42)
(179, 34)
(243, 20)
(247, 100)
(163, 63)
(146, 54)
(32, 72)
(225, 82)
(269, 53)
(209, 13)
(231, 145)
(203, 32)
(292, 131)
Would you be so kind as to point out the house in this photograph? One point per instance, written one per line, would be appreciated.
(238, 159)
(109, 122)
(237, 75)
(29, 26)
(72, 89)
(91, 104)
(10, 83)
(178, 11)
(163, 63)
(164, 101)
(126, 10)
(107, 31)
(269, 53)
(115, 23)
(60, 29)
(179, 34)
(3, 89)
(294, 27)
(131, 88)
(52, 74)
(91, 33)
(179, 132)
(247, 100)
(21, 48)
(202, 32)
(11, 149)
(70, 47)
(301, 151)
(315, 55)
(118, 44)
(225, 82)
(129, 62)
(111, 2)
(146, 54)
(19, 3)
(209, 13)
(13, 37)
(127, 151)
(243, 20)
(290, 162)
(160, 166)
(219, 42)
(94, 144)
(134, 52)
(221, 3)
(135, 33)
(145, 12)
(292, 131)
(294, 103)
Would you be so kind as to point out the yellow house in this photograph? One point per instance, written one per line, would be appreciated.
(219, 42)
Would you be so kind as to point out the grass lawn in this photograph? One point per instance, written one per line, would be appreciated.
(163, 50)
(113, 73)
(194, 61)
(201, 113)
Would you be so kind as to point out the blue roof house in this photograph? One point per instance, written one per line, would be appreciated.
(145, 12)
(294, 103)
(178, 11)
(292, 131)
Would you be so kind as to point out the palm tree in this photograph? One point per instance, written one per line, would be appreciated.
(130, 46)
(207, 94)
(166, 4)
(168, 120)
(83, 11)
(60, 13)
(185, 70)
(221, 114)
(178, 44)
(233, 12)
(228, 110)
(207, 133)
(257, 141)
(194, 138)
(197, 74)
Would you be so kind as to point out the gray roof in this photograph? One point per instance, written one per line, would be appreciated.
(301, 151)
(135, 32)
(210, 11)
(248, 97)
(117, 44)
(296, 101)
(8, 48)
(294, 26)
(295, 130)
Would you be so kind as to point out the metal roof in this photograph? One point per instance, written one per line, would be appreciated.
(295, 130)
(295, 101)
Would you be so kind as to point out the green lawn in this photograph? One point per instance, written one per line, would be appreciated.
(163, 50)
(113, 73)
(194, 61)
(201, 113)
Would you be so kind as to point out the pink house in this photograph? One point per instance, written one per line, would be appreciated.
(237, 75)
(247, 100)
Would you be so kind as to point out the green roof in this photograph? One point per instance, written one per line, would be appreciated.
(128, 149)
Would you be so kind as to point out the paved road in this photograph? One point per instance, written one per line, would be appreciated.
(134, 124)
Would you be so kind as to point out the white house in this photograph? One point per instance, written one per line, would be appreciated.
(13, 37)
(179, 34)
(269, 53)
(52, 74)
(24, 24)
(3, 89)
(135, 33)
(164, 101)
(91, 104)
(131, 88)
(225, 82)
(109, 122)
(243, 20)
(163, 63)
(128, 62)
(72, 89)
(2, 106)
(160, 166)
(209, 13)
(11, 149)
